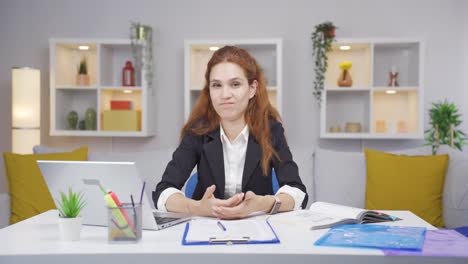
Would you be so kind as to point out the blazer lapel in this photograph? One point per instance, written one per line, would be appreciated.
(252, 158)
(214, 154)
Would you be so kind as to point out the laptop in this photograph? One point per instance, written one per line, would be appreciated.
(120, 177)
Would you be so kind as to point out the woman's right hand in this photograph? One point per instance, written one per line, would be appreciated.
(208, 201)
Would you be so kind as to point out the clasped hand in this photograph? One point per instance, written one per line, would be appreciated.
(235, 207)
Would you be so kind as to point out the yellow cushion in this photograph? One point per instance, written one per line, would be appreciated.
(29, 194)
(399, 182)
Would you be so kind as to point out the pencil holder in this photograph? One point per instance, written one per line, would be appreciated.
(124, 223)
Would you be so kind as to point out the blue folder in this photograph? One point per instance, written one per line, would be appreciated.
(374, 236)
(230, 240)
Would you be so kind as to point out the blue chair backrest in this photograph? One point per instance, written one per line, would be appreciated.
(190, 185)
(193, 180)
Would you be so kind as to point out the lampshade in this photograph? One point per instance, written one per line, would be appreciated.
(26, 109)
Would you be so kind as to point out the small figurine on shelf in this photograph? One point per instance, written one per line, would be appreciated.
(72, 119)
(81, 125)
(82, 78)
(353, 127)
(402, 126)
(393, 77)
(345, 79)
(381, 126)
(90, 119)
(128, 74)
(335, 129)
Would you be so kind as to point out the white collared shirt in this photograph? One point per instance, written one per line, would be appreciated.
(234, 160)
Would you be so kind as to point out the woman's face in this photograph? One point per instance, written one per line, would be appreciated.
(230, 91)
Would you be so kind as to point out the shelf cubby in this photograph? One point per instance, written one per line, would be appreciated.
(403, 57)
(67, 59)
(395, 113)
(78, 100)
(347, 107)
(359, 54)
(113, 59)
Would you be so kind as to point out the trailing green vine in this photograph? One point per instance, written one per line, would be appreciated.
(322, 38)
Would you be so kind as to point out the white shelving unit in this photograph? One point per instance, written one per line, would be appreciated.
(105, 60)
(267, 52)
(383, 112)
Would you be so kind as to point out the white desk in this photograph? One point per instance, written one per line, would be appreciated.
(36, 240)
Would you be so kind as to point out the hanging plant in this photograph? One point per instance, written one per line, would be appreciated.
(444, 122)
(142, 35)
(322, 38)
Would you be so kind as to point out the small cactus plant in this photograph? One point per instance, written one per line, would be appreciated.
(83, 68)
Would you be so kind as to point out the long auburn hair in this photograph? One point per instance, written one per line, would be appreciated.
(258, 114)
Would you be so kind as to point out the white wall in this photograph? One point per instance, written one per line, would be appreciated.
(464, 88)
(26, 26)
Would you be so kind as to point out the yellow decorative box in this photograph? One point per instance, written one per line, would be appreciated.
(121, 120)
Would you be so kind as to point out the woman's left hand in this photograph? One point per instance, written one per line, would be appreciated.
(251, 203)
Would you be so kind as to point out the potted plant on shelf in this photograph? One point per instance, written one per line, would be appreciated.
(70, 220)
(82, 79)
(444, 122)
(322, 38)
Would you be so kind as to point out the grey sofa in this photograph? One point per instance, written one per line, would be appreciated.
(331, 176)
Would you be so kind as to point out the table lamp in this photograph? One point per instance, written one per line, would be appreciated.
(26, 109)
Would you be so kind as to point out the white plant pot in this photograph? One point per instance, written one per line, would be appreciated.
(70, 228)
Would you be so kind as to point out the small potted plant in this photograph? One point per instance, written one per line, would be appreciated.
(82, 78)
(444, 122)
(322, 38)
(70, 220)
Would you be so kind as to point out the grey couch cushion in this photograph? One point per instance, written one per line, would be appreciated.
(304, 158)
(340, 177)
(455, 197)
(4, 209)
(41, 149)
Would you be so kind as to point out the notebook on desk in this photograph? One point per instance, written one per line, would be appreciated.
(121, 177)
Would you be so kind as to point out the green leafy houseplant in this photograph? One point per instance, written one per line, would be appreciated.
(322, 38)
(444, 122)
(70, 205)
(83, 68)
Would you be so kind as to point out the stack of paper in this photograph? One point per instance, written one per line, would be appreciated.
(206, 231)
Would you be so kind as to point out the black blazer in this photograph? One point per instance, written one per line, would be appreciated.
(206, 152)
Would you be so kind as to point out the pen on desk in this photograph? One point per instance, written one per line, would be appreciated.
(142, 191)
(221, 226)
(133, 204)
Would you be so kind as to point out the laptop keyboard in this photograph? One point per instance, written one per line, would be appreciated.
(163, 220)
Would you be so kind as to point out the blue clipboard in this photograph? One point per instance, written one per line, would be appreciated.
(229, 241)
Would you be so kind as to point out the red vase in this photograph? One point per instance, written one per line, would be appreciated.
(128, 74)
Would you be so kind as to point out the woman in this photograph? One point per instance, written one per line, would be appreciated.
(235, 138)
